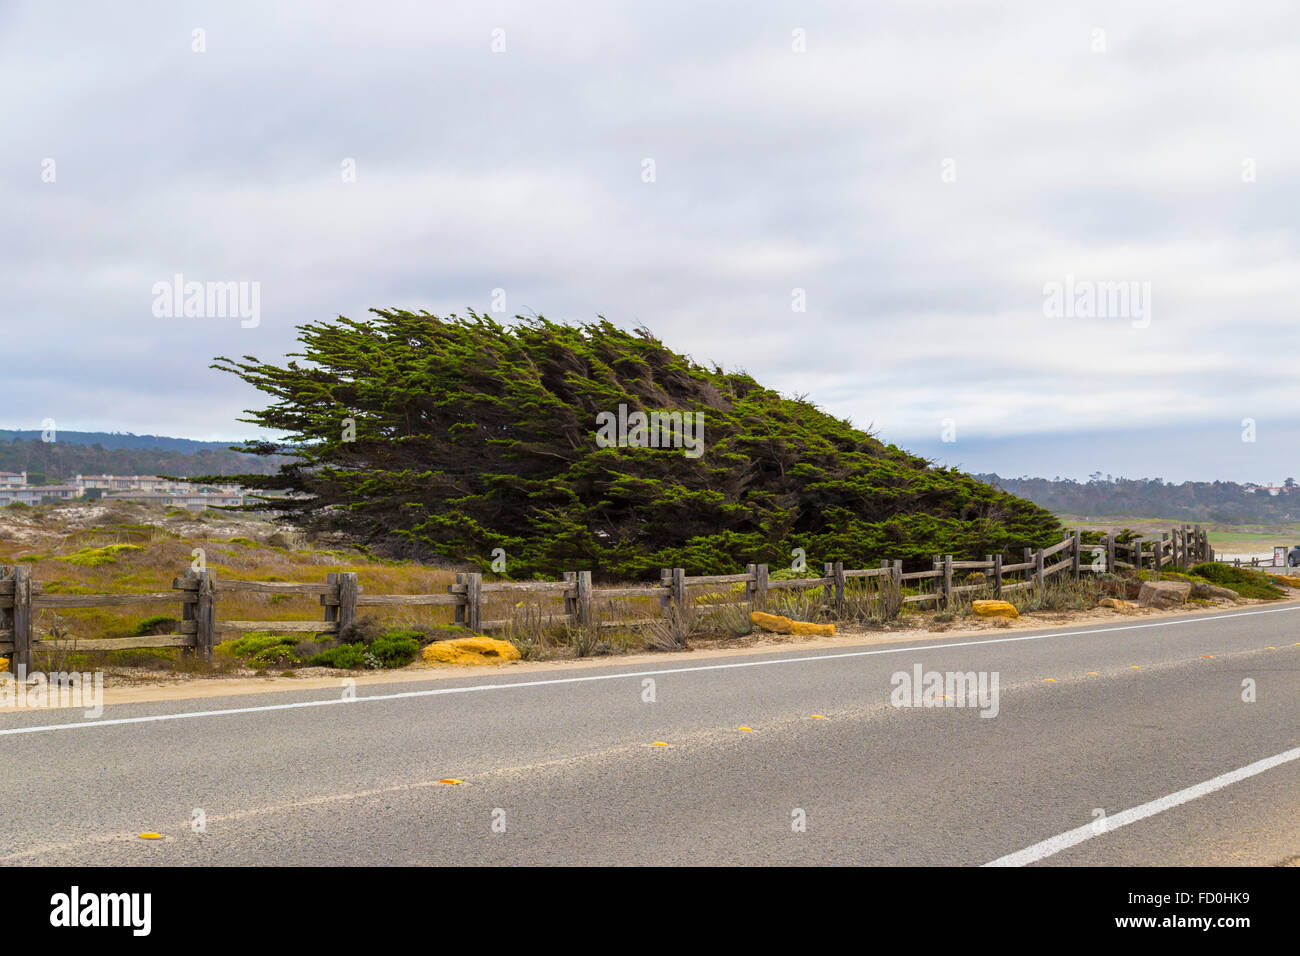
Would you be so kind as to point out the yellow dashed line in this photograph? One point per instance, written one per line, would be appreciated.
(745, 728)
(451, 781)
(1092, 673)
(1050, 680)
(817, 717)
(658, 743)
(150, 836)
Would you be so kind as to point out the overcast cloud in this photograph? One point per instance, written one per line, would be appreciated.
(921, 171)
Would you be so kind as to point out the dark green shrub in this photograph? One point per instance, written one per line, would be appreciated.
(395, 649)
(279, 655)
(305, 650)
(252, 644)
(344, 657)
(1247, 583)
(363, 630)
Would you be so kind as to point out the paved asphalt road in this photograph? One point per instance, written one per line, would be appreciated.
(563, 761)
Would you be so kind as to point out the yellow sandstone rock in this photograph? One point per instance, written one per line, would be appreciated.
(471, 650)
(4, 664)
(783, 625)
(1118, 605)
(994, 609)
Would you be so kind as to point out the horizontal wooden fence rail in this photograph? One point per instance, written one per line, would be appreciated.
(198, 592)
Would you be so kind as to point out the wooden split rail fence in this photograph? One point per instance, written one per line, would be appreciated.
(199, 592)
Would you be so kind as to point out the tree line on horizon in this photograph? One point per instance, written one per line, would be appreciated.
(48, 463)
(1224, 502)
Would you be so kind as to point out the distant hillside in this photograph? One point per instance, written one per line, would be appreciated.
(1219, 501)
(113, 440)
(51, 462)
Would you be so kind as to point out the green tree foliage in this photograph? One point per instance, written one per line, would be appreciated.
(471, 436)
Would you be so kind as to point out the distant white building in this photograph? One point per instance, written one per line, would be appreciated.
(180, 499)
(35, 494)
(1271, 488)
(147, 483)
(147, 489)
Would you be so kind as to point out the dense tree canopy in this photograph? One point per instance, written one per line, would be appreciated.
(471, 436)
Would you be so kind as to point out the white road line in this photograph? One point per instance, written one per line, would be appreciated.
(477, 688)
(1064, 841)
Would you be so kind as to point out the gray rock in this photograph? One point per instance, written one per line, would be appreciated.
(1202, 589)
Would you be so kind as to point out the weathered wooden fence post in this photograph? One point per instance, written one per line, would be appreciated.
(673, 581)
(571, 596)
(6, 614)
(835, 571)
(22, 618)
(205, 615)
(1076, 547)
(188, 586)
(997, 575)
(348, 590)
(1040, 580)
(330, 600)
(1110, 554)
(461, 611)
(473, 601)
(586, 609)
(947, 580)
(1029, 559)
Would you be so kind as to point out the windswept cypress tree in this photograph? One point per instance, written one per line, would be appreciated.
(452, 437)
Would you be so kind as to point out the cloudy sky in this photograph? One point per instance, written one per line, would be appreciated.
(877, 205)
